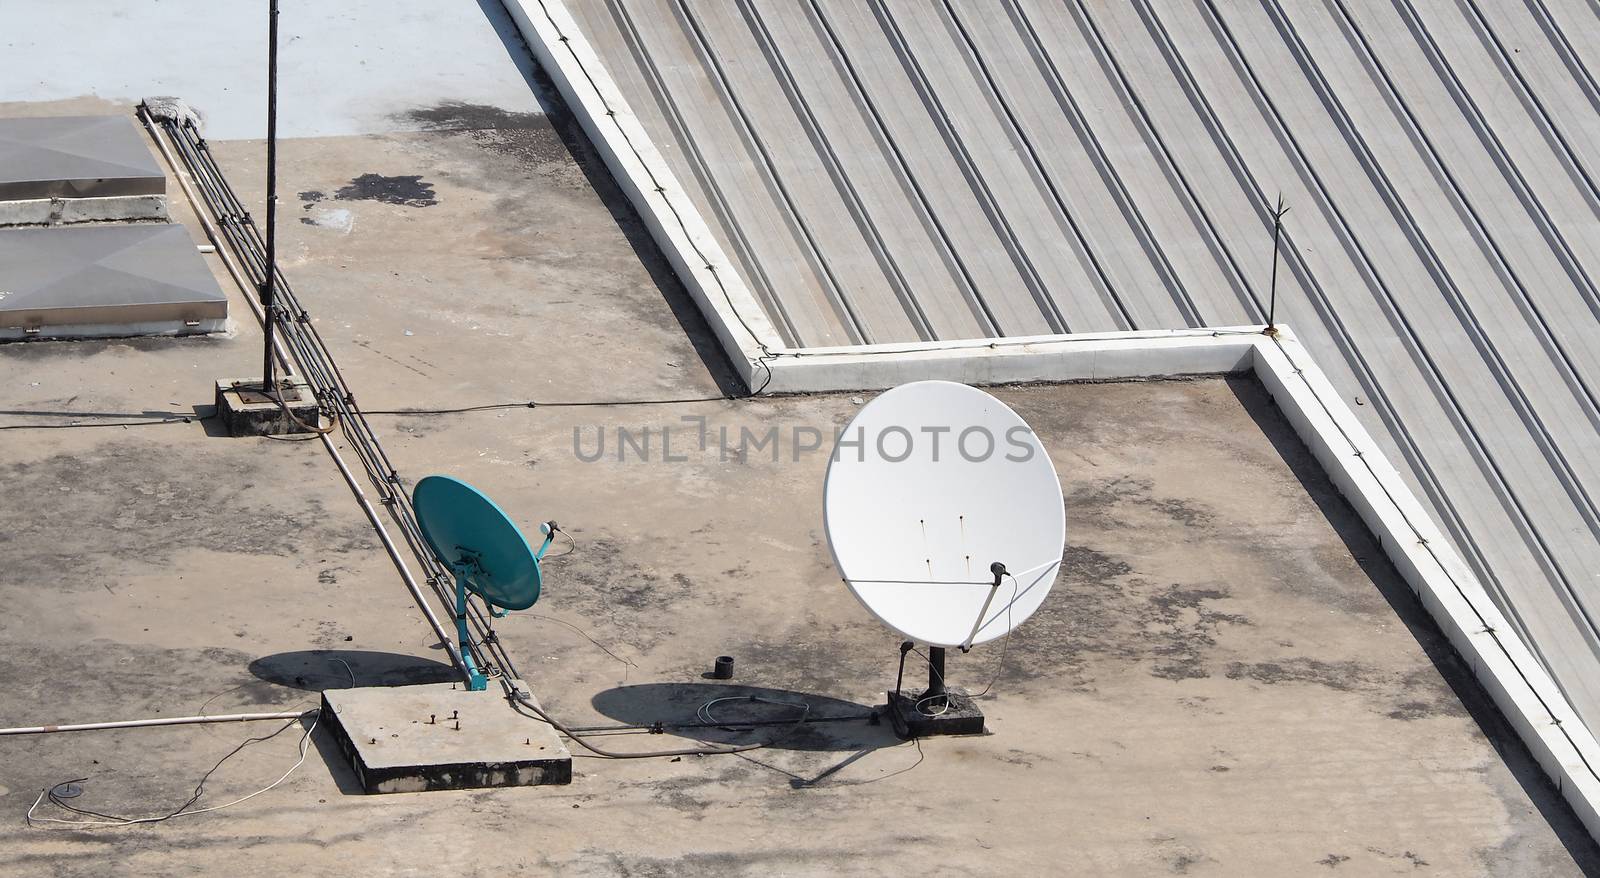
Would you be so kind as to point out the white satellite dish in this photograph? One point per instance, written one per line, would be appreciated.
(944, 515)
(931, 484)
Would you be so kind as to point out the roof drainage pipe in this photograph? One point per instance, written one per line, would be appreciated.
(163, 721)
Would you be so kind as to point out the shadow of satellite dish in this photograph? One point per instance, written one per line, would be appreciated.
(739, 720)
(317, 669)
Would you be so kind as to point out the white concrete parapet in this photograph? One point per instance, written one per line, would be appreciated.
(1089, 356)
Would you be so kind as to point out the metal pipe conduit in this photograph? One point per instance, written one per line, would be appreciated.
(307, 349)
(162, 721)
(212, 235)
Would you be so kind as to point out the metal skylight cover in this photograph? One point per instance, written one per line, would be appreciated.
(112, 274)
(75, 157)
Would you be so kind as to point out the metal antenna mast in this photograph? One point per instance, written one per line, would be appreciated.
(1277, 231)
(268, 299)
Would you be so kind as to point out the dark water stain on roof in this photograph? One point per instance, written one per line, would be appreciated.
(457, 115)
(529, 139)
(409, 190)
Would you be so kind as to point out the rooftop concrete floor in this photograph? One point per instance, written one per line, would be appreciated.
(1228, 680)
(894, 170)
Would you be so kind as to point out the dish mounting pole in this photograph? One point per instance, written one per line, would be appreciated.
(935, 674)
(464, 567)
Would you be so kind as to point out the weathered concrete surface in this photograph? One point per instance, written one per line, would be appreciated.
(71, 211)
(1228, 681)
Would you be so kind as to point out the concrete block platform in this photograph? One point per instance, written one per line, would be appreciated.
(439, 736)
(246, 410)
(960, 716)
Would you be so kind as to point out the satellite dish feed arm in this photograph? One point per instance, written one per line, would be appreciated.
(549, 529)
(999, 571)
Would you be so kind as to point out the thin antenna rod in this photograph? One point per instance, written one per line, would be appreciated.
(1272, 301)
(268, 297)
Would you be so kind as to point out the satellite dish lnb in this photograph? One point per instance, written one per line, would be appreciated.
(482, 546)
(946, 520)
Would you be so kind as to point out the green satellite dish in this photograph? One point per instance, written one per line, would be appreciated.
(485, 549)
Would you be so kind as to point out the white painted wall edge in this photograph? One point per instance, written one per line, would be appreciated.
(1089, 356)
(740, 324)
(1520, 687)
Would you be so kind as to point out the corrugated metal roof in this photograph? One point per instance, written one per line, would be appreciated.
(892, 170)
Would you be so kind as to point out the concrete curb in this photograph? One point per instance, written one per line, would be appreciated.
(1099, 356)
(93, 209)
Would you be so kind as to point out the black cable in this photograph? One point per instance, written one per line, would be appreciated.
(149, 423)
(1005, 649)
(627, 402)
(535, 404)
(799, 782)
(455, 411)
(525, 705)
(199, 787)
(656, 727)
(583, 633)
(1005, 646)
